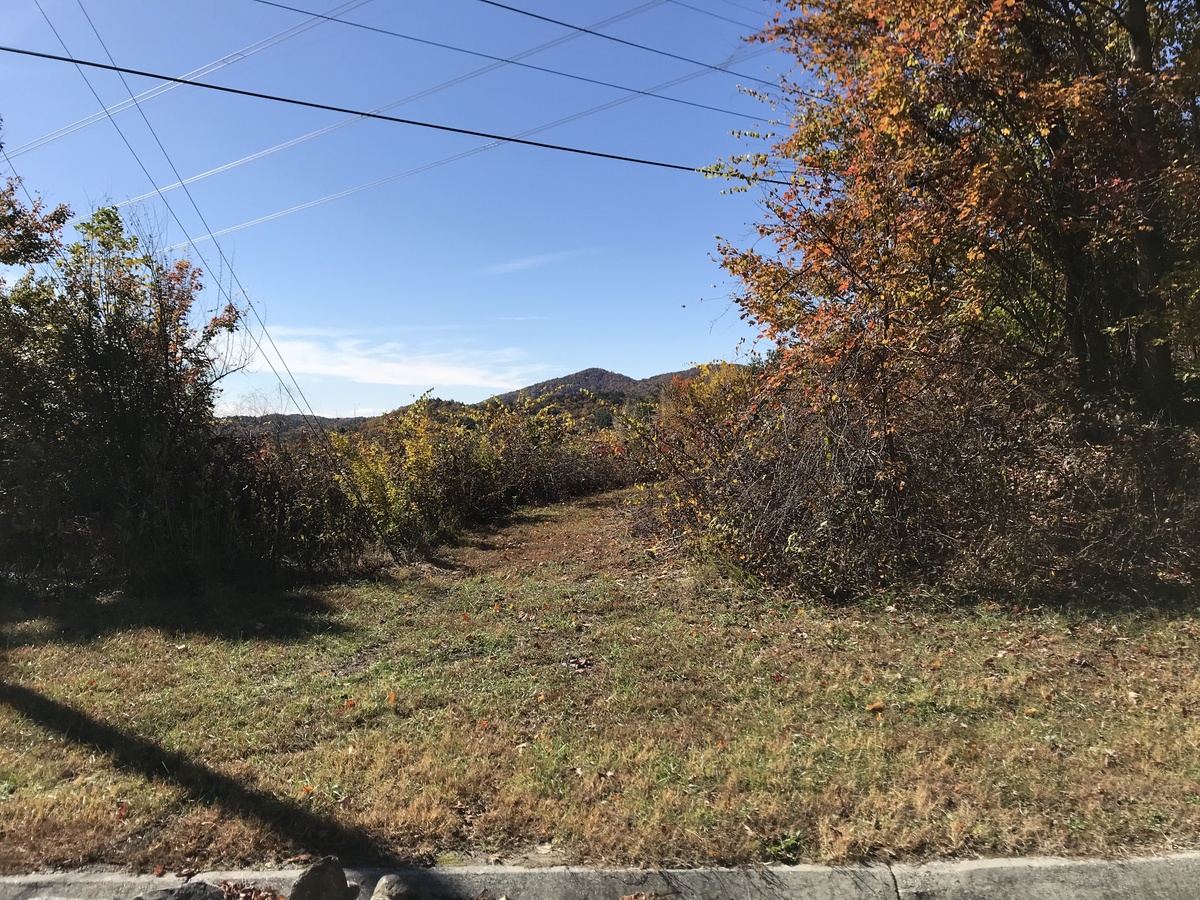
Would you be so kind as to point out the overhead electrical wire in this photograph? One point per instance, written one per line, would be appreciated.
(609, 37)
(173, 81)
(226, 60)
(329, 107)
(655, 50)
(743, 6)
(431, 165)
(713, 15)
(221, 288)
(192, 200)
(426, 92)
(513, 61)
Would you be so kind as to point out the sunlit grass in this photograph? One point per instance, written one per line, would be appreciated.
(555, 684)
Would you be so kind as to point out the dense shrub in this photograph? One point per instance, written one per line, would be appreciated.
(976, 259)
(979, 480)
(430, 471)
(110, 467)
(105, 405)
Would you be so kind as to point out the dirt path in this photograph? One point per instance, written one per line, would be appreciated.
(582, 538)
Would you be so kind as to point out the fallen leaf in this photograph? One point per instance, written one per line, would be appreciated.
(877, 706)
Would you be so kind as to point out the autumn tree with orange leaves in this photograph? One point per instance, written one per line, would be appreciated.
(979, 263)
(1024, 170)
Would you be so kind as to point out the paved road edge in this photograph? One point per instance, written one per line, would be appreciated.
(1175, 877)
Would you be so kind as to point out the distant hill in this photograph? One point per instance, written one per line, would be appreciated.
(596, 381)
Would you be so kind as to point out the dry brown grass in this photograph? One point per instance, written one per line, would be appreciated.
(555, 682)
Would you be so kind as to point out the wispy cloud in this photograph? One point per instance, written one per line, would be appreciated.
(530, 262)
(319, 332)
(396, 364)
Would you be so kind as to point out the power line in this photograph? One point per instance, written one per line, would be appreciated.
(199, 214)
(743, 6)
(171, 210)
(713, 15)
(609, 37)
(507, 61)
(546, 45)
(428, 166)
(208, 68)
(328, 107)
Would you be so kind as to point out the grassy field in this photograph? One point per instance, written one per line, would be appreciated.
(555, 690)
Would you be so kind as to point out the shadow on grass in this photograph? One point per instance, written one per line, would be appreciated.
(1095, 596)
(292, 823)
(30, 617)
(1123, 598)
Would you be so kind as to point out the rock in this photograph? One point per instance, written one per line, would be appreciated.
(324, 880)
(193, 890)
(393, 887)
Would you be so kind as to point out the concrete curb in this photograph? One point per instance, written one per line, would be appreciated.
(1157, 878)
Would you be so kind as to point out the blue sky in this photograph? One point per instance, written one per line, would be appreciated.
(445, 263)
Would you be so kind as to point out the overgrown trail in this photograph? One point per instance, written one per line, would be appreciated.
(553, 690)
(584, 539)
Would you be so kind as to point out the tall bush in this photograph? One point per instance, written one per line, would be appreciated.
(106, 399)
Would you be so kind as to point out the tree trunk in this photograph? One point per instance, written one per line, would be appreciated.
(1153, 366)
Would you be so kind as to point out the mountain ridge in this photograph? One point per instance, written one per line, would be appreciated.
(597, 381)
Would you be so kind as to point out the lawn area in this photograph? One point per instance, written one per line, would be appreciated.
(555, 683)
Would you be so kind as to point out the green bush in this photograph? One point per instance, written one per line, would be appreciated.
(106, 400)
